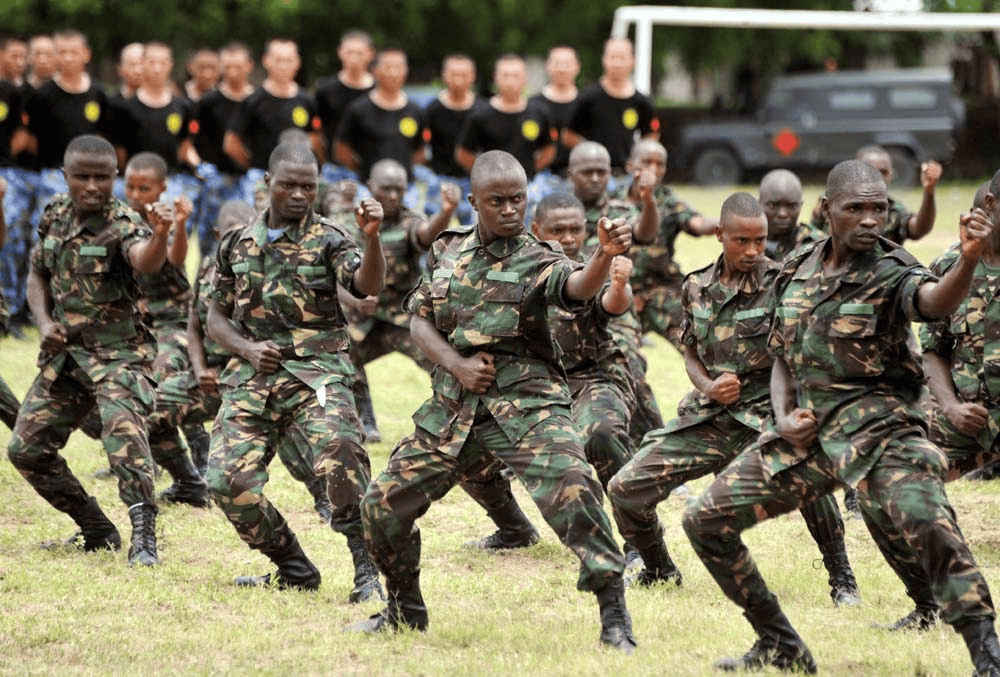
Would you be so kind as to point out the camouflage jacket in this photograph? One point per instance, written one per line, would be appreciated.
(402, 252)
(493, 298)
(728, 329)
(611, 206)
(165, 296)
(848, 343)
(654, 263)
(286, 291)
(969, 340)
(896, 223)
(803, 234)
(92, 285)
(215, 355)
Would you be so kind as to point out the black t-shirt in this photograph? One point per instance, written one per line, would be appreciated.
(375, 133)
(24, 158)
(209, 120)
(10, 119)
(443, 126)
(613, 122)
(157, 130)
(56, 116)
(119, 119)
(332, 99)
(520, 134)
(559, 115)
(262, 117)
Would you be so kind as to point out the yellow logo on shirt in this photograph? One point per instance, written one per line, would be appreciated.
(4, 110)
(92, 111)
(530, 130)
(174, 122)
(300, 117)
(630, 118)
(408, 127)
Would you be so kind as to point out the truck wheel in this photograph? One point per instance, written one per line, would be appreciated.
(717, 167)
(905, 168)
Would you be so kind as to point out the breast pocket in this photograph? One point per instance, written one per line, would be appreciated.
(95, 268)
(444, 316)
(502, 299)
(855, 341)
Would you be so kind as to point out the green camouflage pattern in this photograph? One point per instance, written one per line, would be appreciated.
(493, 298)
(849, 346)
(803, 234)
(103, 366)
(896, 226)
(215, 355)
(164, 302)
(286, 291)
(9, 404)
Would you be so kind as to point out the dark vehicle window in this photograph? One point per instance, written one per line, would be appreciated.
(913, 97)
(852, 99)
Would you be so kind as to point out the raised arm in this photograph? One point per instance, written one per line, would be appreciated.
(147, 257)
(615, 238)
(432, 227)
(921, 223)
(649, 218)
(936, 300)
(369, 278)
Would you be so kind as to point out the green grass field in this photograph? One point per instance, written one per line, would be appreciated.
(65, 612)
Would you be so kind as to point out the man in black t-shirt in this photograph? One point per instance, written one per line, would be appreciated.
(611, 111)
(558, 98)
(279, 103)
(336, 92)
(220, 176)
(444, 119)
(16, 204)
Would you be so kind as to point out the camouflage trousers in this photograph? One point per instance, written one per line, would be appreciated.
(905, 487)
(384, 338)
(297, 426)
(8, 405)
(964, 455)
(549, 461)
(55, 405)
(180, 403)
(663, 313)
(171, 346)
(667, 460)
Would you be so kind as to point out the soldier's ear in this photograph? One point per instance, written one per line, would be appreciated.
(472, 201)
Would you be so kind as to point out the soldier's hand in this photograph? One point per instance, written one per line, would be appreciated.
(726, 389)
(615, 236)
(974, 231)
(182, 208)
(621, 271)
(368, 305)
(265, 356)
(968, 417)
(208, 380)
(645, 181)
(450, 197)
(930, 173)
(161, 217)
(369, 216)
(53, 336)
(798, 427)
(476, 373)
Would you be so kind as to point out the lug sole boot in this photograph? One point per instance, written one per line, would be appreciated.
(616, 624)
(189, 487)
(295, 571)
(143, 547)
(405, 610)
(514, 530)
(843, 586)
(659, 568)
(366, 583)
(777, 644)
(97, 532)
(981, 638)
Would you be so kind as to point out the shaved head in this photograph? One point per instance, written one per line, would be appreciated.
(586, 151)
(743, 205)
(293, 153)
(848, 175)
(781, 181)
(492, 164)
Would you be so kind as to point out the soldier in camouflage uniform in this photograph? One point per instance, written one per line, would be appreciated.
(726, 318)
(275, 308)
(845, 387)
(965, 410)
(589, 172)
(597, 373)
(94, 350)
(378, 324)
(165, 298)
(480, 313)
(781, 196)
(900, 224)
(8, 400)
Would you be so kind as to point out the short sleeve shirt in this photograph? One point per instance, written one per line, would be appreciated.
(262, 117)
(613, 122)
(521, 134)
(375, 133)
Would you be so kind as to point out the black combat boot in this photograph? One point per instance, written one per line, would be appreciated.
(97, 532)
(843, 587)
(321, 502)
(189, 486)
(198, 442)
(658, 566)
(366, 411)
(143, 548)
(616, 624)
(405, 609)
(777, 644)
(366, 584)
(980, 636)
(295, 571)
(514, 529)
(923, 617)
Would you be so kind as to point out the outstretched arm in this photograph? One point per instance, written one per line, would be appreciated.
(921, 223)
(369, 278)
(615, 238)
(936, 300)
